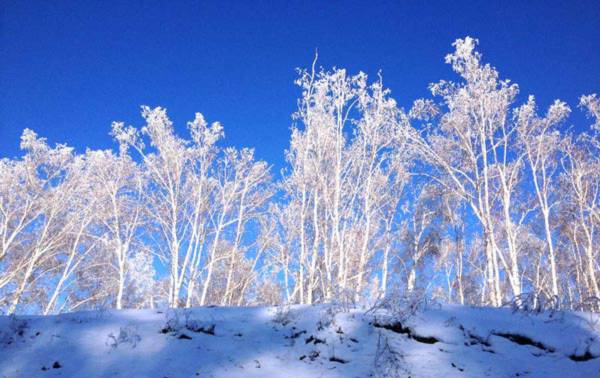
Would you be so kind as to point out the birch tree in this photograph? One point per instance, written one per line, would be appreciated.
(540, 141)
(51, 179)
(168, 197)
(468, 148)
(118, 190)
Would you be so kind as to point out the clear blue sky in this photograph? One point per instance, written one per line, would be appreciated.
(69, 68)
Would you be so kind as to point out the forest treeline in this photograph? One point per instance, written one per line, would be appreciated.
(473, 196)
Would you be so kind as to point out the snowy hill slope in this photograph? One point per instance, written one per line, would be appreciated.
(303, 341)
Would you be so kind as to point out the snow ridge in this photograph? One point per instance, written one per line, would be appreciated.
(301, 341)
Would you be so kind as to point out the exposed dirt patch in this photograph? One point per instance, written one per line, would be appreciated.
(524, 340)
(582, 357)
(457, 367)
(167, 330)
(208, 330)
(338, 360)
(314, 340)
(312, 356)
(295, 335)
(399, 328)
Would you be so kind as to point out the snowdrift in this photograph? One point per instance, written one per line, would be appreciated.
(301, 341)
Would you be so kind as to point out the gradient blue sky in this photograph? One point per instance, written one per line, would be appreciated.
(69, 68)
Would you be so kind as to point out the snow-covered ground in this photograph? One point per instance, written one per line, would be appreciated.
(301, 341)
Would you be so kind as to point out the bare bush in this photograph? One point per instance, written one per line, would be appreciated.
(283, 315)
(127, 335)
(534, 302)
(388, 362)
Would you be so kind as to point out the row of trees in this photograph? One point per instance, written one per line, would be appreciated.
(469, 197)
(106, 230)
